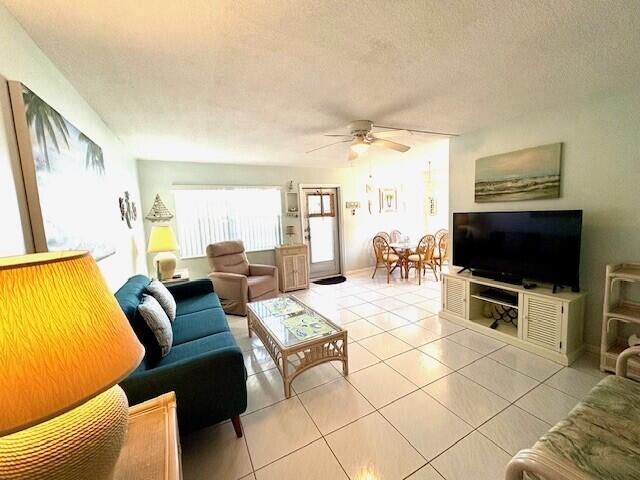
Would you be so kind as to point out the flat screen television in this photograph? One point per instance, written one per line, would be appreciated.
(517, 246)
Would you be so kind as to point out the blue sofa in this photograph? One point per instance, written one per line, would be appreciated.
(205, 367)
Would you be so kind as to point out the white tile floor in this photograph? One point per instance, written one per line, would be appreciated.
(425, 398)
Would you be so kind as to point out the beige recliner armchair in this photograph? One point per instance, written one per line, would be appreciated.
(236, 281)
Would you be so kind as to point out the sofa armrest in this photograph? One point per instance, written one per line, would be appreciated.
(194, 288)
(623, 360)
(230, 285)
(209, 388)
(255, 270)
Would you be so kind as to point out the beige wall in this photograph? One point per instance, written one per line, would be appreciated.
(22, 60)
(407, 172)
(600, 175)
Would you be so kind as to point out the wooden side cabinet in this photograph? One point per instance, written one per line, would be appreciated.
(293, 267)
(151, 448)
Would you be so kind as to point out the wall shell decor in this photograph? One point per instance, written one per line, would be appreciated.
(64, 176)
(128, 210)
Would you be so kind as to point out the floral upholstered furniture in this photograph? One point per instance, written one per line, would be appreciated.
(599, 439)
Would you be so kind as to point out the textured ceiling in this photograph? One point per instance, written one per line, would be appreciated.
(259, 82)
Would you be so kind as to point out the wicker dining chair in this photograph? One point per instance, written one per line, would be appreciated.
(423, 258)
(395, 235)
(439, 234)
(442, 250)
(384, 235)
(385, 256)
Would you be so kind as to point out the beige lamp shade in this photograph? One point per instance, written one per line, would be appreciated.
(162, 239)
(63, 337)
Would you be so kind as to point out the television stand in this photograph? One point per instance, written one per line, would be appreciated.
(498, 277)
(547, 324)
(574, 288)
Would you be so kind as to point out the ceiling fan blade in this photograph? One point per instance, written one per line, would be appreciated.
(418, 131)
(389, 144)
(352, 155)
(337, 135)
(390, 133)
(325, 146)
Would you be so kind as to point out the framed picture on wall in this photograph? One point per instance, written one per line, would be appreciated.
(529, 174)
(388, 200)
(64, 177)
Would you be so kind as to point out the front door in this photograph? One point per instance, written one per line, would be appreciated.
(321, 231)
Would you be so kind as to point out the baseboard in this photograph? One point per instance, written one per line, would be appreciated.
(592, 348)
(359, 270)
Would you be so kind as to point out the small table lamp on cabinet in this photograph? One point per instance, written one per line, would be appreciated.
(64, 346)
(163, 241)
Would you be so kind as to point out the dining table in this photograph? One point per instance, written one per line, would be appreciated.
(404, 249)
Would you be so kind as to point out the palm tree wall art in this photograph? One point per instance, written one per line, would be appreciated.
(64, 172)
(45, 122)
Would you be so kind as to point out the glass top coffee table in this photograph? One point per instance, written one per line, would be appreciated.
(296, 336)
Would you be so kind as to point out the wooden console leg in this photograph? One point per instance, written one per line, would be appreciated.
(237, 425)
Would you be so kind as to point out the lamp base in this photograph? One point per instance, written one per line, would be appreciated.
(82, 443)
(166, 265)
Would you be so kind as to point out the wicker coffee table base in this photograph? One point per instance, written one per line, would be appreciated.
(292, 361)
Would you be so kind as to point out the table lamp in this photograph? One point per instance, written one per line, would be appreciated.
(163, 240)
(64, 346)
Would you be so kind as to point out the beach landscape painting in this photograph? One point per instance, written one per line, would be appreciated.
(529, 174)
(64, 174)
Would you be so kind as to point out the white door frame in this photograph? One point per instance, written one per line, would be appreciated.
(338, 188)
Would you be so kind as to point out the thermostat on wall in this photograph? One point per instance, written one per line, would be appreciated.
(352, 206)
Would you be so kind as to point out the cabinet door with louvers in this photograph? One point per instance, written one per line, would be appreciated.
(454, 297)
(542, 322)
(289, 272)
(302, 278)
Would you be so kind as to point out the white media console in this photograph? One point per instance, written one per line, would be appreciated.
(548, 324)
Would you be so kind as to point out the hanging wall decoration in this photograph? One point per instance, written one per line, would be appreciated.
(432, 206)
(64, 177)
(128, 210)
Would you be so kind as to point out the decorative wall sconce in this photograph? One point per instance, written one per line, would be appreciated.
(128, 210)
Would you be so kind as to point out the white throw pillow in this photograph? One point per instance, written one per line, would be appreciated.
(164, 298)
(157, 320)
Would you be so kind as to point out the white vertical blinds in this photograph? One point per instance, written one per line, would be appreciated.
(250, 214)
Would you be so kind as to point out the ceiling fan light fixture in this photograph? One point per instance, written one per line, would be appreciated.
(359, 145)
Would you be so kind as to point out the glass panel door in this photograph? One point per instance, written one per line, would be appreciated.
(321, 242)
(322, 231)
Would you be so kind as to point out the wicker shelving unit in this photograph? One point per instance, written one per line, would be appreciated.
(618, 309)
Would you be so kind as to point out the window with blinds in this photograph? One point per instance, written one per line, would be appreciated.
(206, 216)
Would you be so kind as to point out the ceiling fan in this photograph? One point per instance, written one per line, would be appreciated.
(361, 138)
